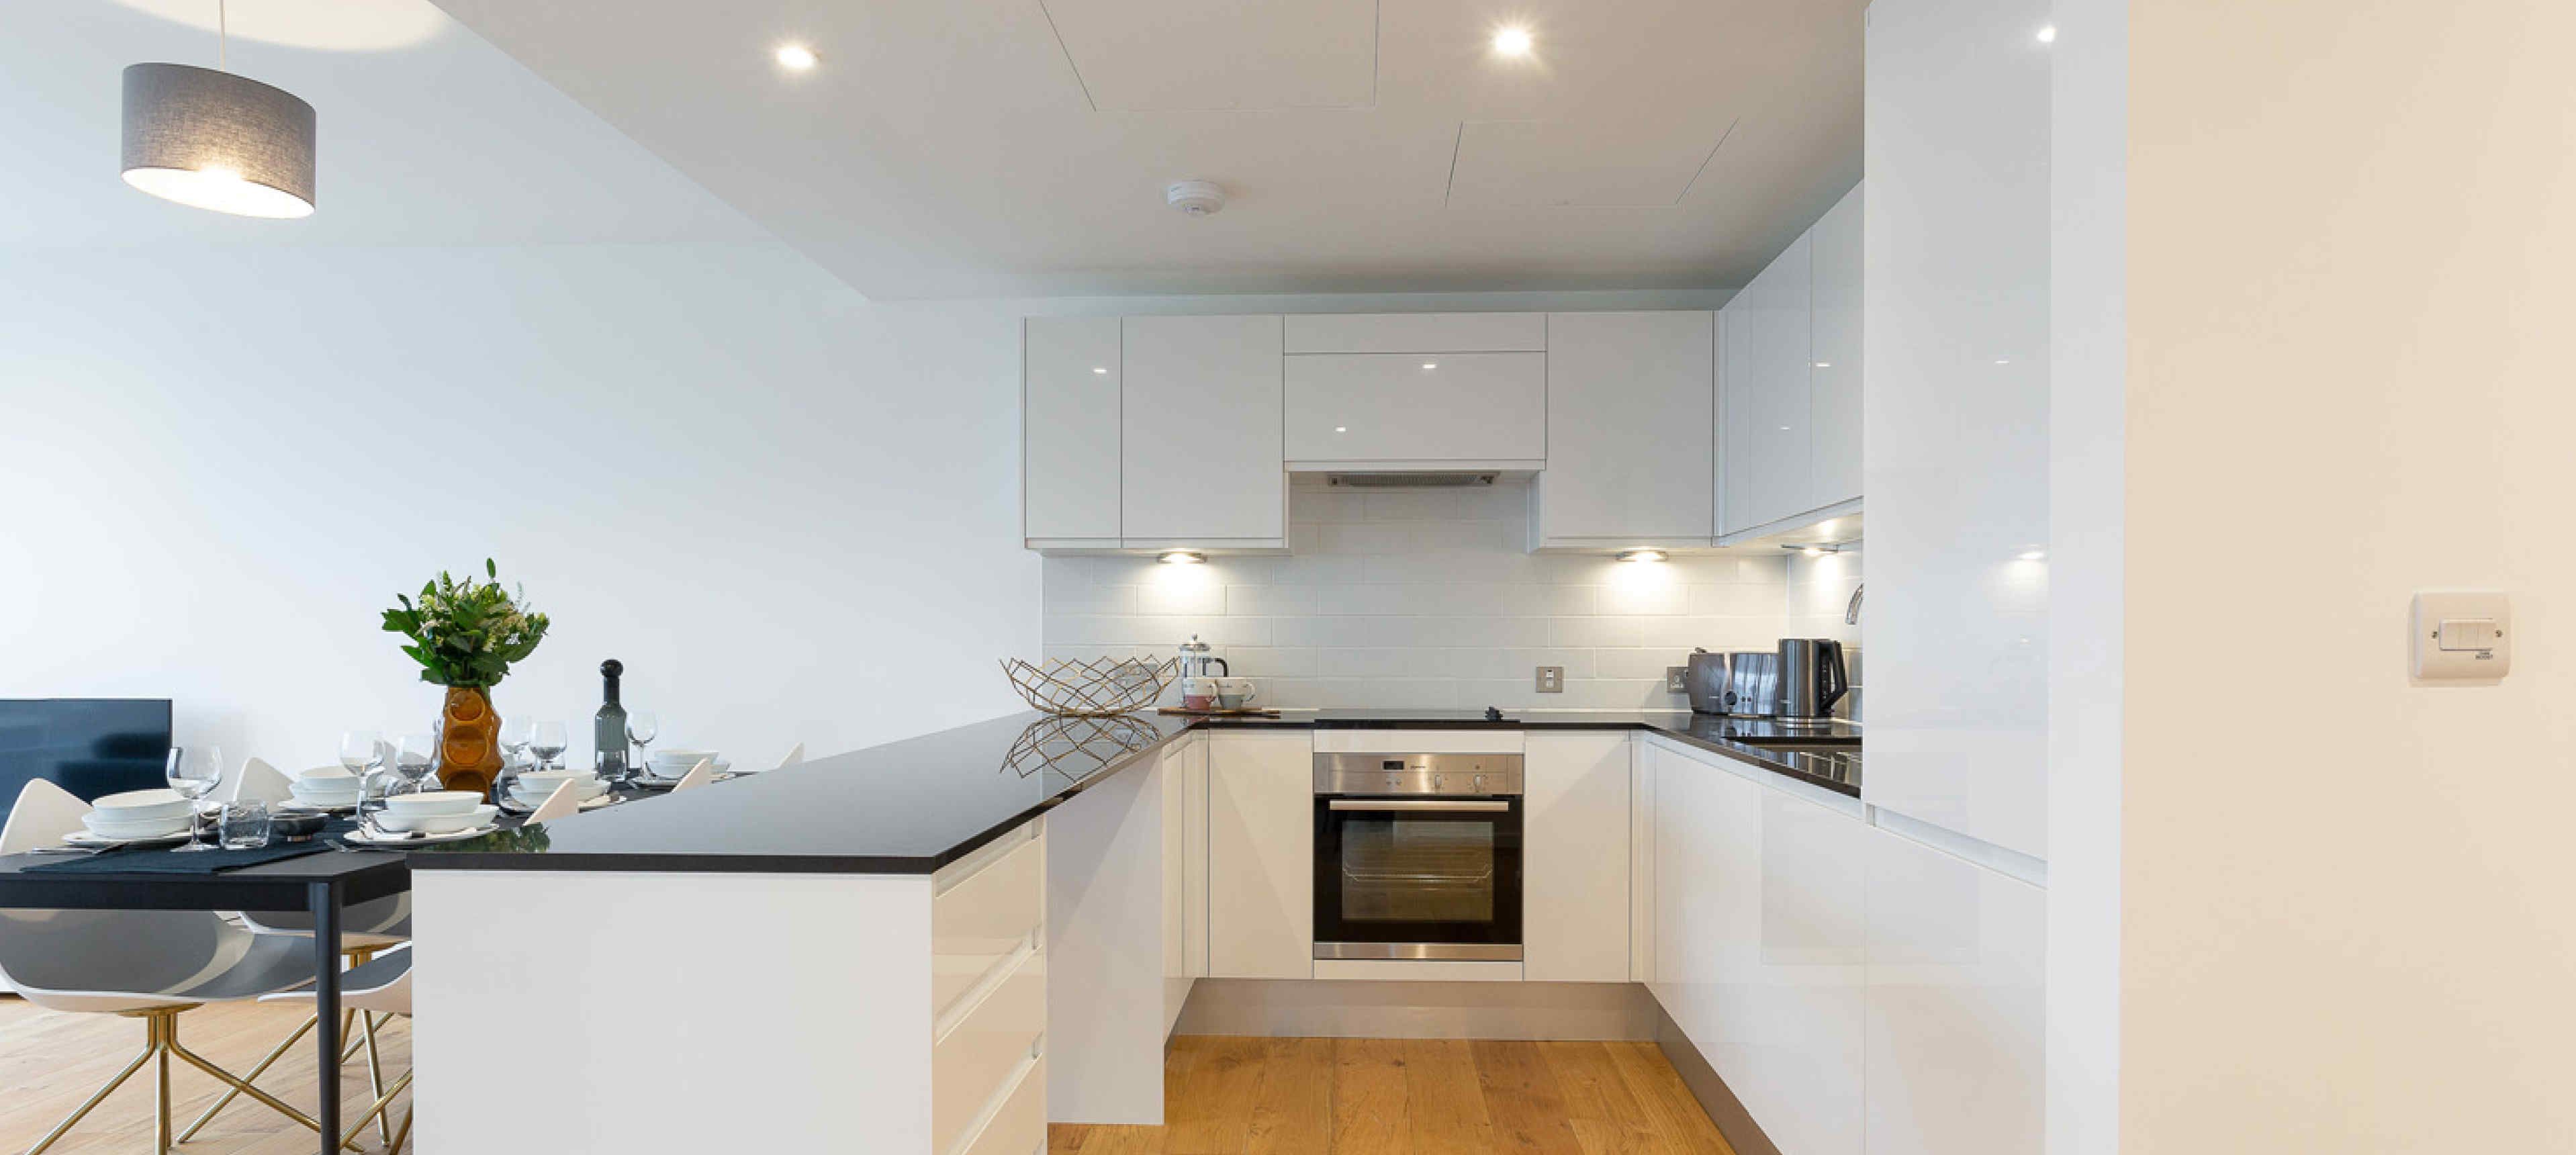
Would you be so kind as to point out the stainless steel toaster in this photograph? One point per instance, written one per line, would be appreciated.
(1743, 683)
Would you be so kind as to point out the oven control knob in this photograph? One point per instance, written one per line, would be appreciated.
(1480, 784)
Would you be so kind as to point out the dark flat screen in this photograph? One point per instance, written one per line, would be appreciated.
(89, 746)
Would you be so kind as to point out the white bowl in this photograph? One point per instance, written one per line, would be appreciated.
(550, 777)
(108, 827)
(327, 775)
(135, 805)
(437, 823)
(346, 788)
(435, 802)
(685, 758)
(536, 793)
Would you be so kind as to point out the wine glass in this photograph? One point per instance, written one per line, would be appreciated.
(412, 756)
(194, 774)
(515, 735)
(548, 740)
(361, 751)
(641, 726)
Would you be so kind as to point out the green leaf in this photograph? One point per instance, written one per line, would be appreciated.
(490, 571)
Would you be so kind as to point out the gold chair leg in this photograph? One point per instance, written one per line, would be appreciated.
(274, 1054)
(376, 1081)
(381, 1111)
(151, 1047)
(226, 1077)
(165, 1026)
(400, 1133)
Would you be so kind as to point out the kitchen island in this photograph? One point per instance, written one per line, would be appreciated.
(877, 951)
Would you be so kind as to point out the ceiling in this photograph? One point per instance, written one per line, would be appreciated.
(428, 135)
(1020, 147)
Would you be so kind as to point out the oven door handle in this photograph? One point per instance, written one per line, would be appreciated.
(1433, 805)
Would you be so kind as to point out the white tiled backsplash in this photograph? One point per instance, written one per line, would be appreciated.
(1427, 599)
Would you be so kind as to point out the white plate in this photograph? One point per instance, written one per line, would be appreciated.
(397, 821)
(436, 802)
(125, 831)
(360, 837)
(85, 838)
(309, 806)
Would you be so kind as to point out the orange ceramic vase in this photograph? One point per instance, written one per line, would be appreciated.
(469, 741)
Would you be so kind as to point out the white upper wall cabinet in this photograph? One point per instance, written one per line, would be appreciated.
(1834, 378)
(1956, 415)
(1201, 446)
(1417, 409)
(1418, 333)
(1764, 394)
(1070, 406)
(1630, 458)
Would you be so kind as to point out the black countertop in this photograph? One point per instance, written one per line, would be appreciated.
(913, 806)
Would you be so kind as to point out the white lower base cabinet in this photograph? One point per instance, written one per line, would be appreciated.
(1574, 858)
(1956, 1012)
(1859, 992)
(1261, 855)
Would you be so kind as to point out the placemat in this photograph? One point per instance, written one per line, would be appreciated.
(163, 860)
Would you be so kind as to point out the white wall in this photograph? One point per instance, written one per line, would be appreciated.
(792, 513)
(2351, 264)
(1430, 598)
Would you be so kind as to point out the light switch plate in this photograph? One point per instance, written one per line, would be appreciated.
(2460, 638)
(1677, 679)
(1551, 679)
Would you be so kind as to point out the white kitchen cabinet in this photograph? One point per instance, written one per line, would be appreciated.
(1631, 398)
(1760, 941)
(1574, 858)
(1418, 333)
(1184, 784)
(1834, 378)
(1261, 849)
(1763, 394)
(1392, 410)
(1957, 416)
(1070, 387)
(1956, 1015)
(1200, 435)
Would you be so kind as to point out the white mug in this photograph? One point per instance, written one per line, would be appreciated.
(1234, 693)
(1198, 693)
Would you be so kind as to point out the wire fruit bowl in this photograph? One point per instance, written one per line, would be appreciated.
(1094, 688)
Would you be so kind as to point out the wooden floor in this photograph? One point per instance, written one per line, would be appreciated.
(1225, 1095)
(50, 1062)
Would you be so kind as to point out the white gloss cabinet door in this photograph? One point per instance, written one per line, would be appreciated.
(1574, 858)
(1261, 850)
(1417, 333)
(1200, 440)
(1764, 391)
(1070, 387)
(1834, 378)
(1631, 398)
(1759, 933)
(1956, 415)
(1416, 407)
(1956, 1005)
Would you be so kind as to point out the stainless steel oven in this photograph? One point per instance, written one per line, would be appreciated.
(1418, 856)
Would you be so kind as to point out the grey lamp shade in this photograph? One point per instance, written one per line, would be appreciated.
(218, 141)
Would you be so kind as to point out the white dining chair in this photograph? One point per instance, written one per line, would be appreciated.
(795, 755)
(382, 987)
(256, 781)
(699, 775)
(563, 803)
(366, 928)
(153, 965)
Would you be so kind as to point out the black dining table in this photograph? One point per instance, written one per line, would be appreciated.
(323, 884)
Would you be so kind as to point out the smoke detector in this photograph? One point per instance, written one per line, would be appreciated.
(1198, 198)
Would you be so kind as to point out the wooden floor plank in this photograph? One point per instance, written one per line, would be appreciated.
(1599, 1108)
(1370, 1115)
(1522, 1097)
(1665, 1100)
(1445, 1104)
(1212, 1115)
(1292, 1113)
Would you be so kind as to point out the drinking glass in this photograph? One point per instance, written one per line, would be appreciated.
(547, 741)
(412, 757)
(361, 751)
(641, 726)
(515, 735)
(244, 825)
(193, 774)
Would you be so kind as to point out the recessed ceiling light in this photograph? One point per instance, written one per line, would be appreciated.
(2048, 35)
(797, 57)
(1341, 429)
(1512, 40)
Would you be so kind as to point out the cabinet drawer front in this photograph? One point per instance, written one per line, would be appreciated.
(1019, 1127)
(982, 918)
(972, 1064)
(1417, 407)
(1418, 333)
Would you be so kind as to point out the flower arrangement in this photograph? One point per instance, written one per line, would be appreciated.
(467, 633)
